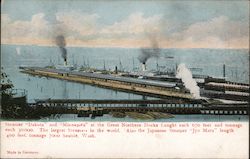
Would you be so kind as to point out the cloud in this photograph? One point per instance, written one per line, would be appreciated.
(5, 18)
(134, 24)
(85, 29)
(35, 29)
(38, 29)
(217, 32)
(82, 23)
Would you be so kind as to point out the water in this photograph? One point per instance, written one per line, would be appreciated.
(209, 60)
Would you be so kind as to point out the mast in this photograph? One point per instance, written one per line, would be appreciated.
(224, 70)
(104, 66)
(120, 65)
(133, 64)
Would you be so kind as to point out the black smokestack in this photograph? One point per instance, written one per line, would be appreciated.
(224, 70)
(61, 43)
(144, 66)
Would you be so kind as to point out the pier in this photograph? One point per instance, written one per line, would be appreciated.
(134, 85)
(212, 88)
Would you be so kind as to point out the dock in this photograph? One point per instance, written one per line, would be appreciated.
(134, 85)
(170, 89)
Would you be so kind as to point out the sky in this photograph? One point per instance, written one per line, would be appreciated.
(127, 24)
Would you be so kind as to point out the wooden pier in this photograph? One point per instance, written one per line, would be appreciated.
(134, 85)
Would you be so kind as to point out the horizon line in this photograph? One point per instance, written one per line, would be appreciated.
(70, 46)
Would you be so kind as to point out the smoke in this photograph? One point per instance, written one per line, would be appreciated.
(147, 53)
(186, 76)
(61, 43)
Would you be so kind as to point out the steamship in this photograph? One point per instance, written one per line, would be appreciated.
(65, 66)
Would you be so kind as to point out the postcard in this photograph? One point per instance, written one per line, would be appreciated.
(124, 79)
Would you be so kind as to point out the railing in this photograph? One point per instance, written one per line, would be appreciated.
(118, 105)
(74, 106)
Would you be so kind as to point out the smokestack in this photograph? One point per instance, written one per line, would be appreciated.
(224, 70)
(116, 70)
(144, 66)
(65, 62)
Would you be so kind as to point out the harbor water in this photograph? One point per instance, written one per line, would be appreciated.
(209, 61)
